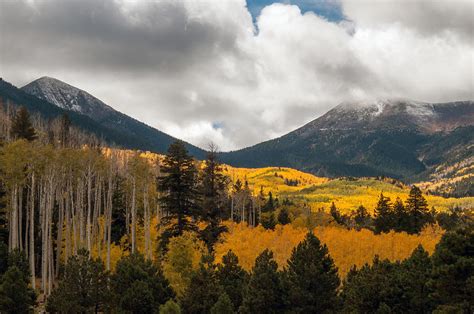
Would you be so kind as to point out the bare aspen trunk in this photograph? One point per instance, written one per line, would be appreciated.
(32, 232)
(133, 215)
(89, 207)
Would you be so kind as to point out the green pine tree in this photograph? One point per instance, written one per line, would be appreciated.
(223, 305)
(401, 217)
(21, 126)
(213, 191)
(83, 287)
(417, 208)
(383, 221)
(264, 292)
(15, 295)
(170, 307)
(283, 216)
(362, 218)
(311, 280)
(178, 187)
(453, 270)
(232, 278)
(204, 289)
(138, 285)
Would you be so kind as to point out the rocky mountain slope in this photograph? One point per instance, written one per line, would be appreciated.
(140, 135)
(397, 138)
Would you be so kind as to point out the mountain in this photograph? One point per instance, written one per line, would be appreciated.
(397, 138)
(130, 133)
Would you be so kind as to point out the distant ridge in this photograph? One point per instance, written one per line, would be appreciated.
(138, 135)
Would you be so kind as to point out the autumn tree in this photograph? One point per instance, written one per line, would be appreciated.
(311, 279)
(264, 292)
(232, 278)
(213, 192)
(21, 126)
(83, 287)
(138, 285)
(179, 194)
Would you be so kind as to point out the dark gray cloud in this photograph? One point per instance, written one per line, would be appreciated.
(201, 71)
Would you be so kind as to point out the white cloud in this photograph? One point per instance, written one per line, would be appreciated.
(202, 71)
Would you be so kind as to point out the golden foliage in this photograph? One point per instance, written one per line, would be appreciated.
(346, 247)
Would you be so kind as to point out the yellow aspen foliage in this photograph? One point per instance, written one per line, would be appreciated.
(346, 247)
(183, 257)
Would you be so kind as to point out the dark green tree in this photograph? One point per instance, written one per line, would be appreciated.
(223, 305)
(268, 221)
(64, 135)
(453, 270)
(15, 295)
(264, 292)
(138, 285)
(204, 289)
(362, 218)
(269, 205)
(372, 288)
(170, 307)
(415, 274)
(232, 278)
(119, 223)
(83, 287)
(178, 187)
(417, 208)
(401, 218)
(213, 190)
(383, 220)
(21, 126)
(310, 279)
(283, 216)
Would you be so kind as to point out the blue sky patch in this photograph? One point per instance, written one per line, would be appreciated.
(330, 9)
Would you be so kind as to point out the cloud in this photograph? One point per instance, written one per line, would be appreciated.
(204, 71)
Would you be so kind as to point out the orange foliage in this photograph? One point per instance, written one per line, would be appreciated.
(347, 247)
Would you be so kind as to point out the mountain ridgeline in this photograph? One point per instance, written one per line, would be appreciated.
(401, 139)
(412, 141)
(52, 98)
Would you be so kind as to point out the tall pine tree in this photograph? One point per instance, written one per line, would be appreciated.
(21, 126)
(383, 221)
(213, 190)
(311, 280)
(264, 292)
(178, 187)
(417, 208)
(232, 278)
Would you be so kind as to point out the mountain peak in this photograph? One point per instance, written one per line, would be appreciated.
(66, 96)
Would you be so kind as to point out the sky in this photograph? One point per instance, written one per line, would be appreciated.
(236, 73)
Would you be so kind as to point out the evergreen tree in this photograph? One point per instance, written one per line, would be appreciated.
(264, 292)
(311, 279)
(453, 270)
(65, 130)
(269, 205)
(373, 288)
(17, 258)
(170, 307)
(3, 258)
(21, 126)
(237, 187)
(15, 295)
(232, 278)
(362, 218)
(213, 190)
(223, 305)
(204, 289)
(283, 216)
(400, 216)
(336, 215)
(417, 208)
(415, 275)
(383, 221)
(268, 221)
(83, 288)
(138, 285)
(179, 192)
(119, 223)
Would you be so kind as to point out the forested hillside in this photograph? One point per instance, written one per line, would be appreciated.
(89, 228)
